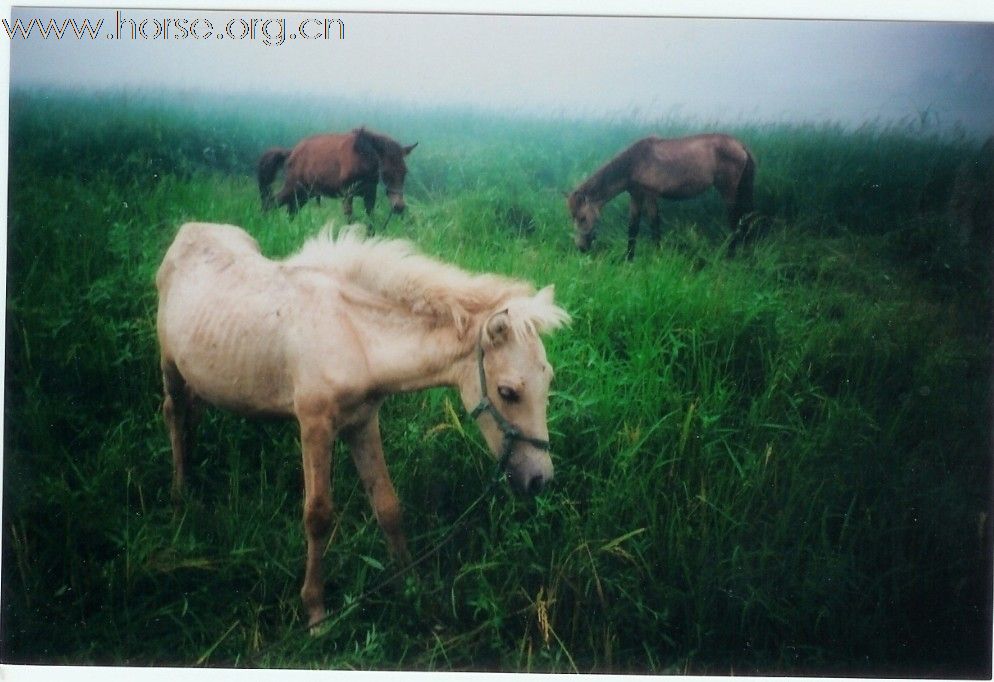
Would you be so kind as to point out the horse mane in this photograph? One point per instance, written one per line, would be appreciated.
(393, 269)
(596, 184)
(382, 144)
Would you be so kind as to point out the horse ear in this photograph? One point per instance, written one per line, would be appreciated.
(498, 328)
(410, 148)
(546, 294)
(548, 316)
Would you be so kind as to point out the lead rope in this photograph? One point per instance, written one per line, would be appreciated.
(511, 434)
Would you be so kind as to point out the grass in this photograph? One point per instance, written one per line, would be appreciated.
(773, 463)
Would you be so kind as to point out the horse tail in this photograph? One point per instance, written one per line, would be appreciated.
(738, 214)
(743, 193)
(269, 164)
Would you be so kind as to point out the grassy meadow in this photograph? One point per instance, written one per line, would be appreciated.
(772, 463)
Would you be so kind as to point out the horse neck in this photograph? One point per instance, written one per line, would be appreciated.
(379, 142)
(608, 181)
(409, 354)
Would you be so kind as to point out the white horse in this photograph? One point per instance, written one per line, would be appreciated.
(327, 334)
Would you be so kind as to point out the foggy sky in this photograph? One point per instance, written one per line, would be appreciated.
(712, 70)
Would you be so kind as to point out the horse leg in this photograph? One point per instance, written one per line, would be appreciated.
(300, 197)
(734, 211)
(347, 206)
(194, 413)
(176, 412)
(293, 198)
(368, 193)
(369, 200)
(286, 197)
(367, 453)
(634, 216)
(652, 209)
(739, 201)
(316, 437)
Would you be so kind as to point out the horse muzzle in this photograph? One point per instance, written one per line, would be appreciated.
(397, 204)
(529, 471)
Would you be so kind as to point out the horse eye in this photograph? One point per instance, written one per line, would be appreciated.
(508, 394)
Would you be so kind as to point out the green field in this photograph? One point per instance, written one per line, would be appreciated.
(777, 462)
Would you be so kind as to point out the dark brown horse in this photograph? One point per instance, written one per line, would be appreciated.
(655, 168)
(346, 165)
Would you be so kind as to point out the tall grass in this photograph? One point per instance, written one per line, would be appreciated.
(772, 463)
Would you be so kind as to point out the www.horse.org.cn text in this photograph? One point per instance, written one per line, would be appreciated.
(268, 31)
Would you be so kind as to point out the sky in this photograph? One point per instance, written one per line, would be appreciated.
(708, 69)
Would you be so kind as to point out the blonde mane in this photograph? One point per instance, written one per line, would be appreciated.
(394, 270)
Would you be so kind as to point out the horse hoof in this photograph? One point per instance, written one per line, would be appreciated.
(318, 626)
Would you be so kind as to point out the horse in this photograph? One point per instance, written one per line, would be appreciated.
(971, 203)
(333, 165)
(325, 335)
(654, 168)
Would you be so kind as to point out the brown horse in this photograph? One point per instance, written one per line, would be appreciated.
(654, 168)
(336, 165)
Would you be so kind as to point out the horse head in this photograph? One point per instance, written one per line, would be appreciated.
(510, 388)
(585, 213)
(387, 156)
(393, 170)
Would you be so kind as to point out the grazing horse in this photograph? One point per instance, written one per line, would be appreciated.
(335, 165)
(327, 334)
(655, 168)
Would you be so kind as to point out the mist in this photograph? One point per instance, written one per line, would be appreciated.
(708, 70)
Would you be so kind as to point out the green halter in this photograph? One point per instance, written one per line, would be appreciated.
(511, 432)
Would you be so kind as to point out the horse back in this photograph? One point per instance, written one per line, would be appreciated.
(220, 319)
(205, 244)
(250, 334)
(329, 161)
(685, 167)
(730, 150)
(209, 272)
